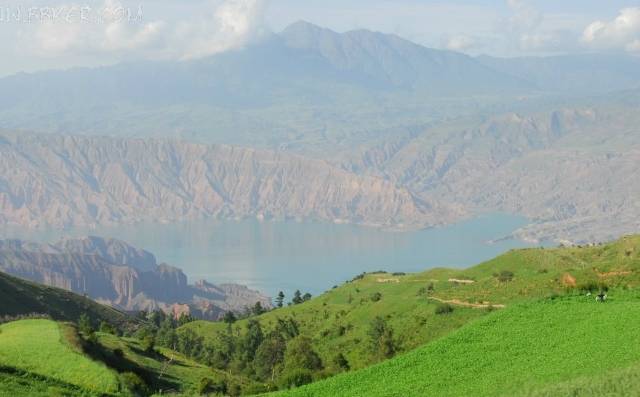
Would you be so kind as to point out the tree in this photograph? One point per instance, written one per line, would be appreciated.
(251, 340)
(269, 356)
(297, 297)
(381, 339)
(185, 319)
(107, 328)
(300, 355)
(229, 317)
(280, 299)
(258, 309)
(147, 338)
(341, 363)
(306, 297)
(189, 343)
(287, 328)
(84, 325)
(167, 335)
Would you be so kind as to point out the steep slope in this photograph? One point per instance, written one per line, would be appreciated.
(20, 297)
(388, 61)
(109, 271)
(529, 163)
(70, 181)
(509, 352)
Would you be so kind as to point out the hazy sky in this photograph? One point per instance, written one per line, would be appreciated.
(42, 34)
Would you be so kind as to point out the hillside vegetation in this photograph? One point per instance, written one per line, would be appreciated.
(339, 320)
(20, 297)
(525, 347)
(525, 323)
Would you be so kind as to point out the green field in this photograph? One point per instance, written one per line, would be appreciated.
(528, 347)
(41, 347)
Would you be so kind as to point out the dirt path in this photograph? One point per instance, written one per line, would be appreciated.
(467, 304)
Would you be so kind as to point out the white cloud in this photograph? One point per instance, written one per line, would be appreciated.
(524, 18)
(233, 24)
(115, 30)
(623, 33)
(459, 42)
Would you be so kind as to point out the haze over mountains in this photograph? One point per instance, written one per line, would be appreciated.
(359, 127)
(115, 273)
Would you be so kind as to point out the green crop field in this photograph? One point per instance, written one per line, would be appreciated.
(529, 347)
(338, 320)
(39, 347)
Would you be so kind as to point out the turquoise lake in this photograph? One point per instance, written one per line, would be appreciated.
(273, 256)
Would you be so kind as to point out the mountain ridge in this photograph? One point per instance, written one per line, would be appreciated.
(122, 276)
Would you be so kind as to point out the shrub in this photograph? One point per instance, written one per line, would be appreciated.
(398, 274)
(257, 388)
(208, 386)
(134, 384)
(295, 378)
(444, 308)
(590, 286)
(118, 353)
(505, 276)
(107, 328)
(341, 362)
(376, 296)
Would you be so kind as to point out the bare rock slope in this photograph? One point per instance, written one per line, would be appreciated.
(71, 181)
(123, 276)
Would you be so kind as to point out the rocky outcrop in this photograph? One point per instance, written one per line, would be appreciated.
(109, 272)
(74, 181)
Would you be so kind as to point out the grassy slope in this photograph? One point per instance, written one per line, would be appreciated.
(527, 347)
(165, 371)
(36, 359)
(21, 297)
(39, 347)
(21, 383)
(537, 273)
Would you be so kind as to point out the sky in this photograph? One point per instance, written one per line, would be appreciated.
(53, 34)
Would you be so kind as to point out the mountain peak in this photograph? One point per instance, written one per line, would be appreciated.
(303, 26)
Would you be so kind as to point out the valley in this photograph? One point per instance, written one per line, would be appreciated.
(497, 309)
(407, 198)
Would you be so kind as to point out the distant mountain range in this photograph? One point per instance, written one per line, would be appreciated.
(306, 83)
(114, 273)
(360, 127)
(58, 181)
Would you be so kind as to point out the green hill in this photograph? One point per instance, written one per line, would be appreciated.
(43, 358)
(44, 348)
(524, 323)
(338, 320)
(19, 297)
(512, 352)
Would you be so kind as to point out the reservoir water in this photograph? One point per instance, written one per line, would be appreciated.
(273, 256)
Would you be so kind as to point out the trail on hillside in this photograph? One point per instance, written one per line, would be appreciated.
(467, 304)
